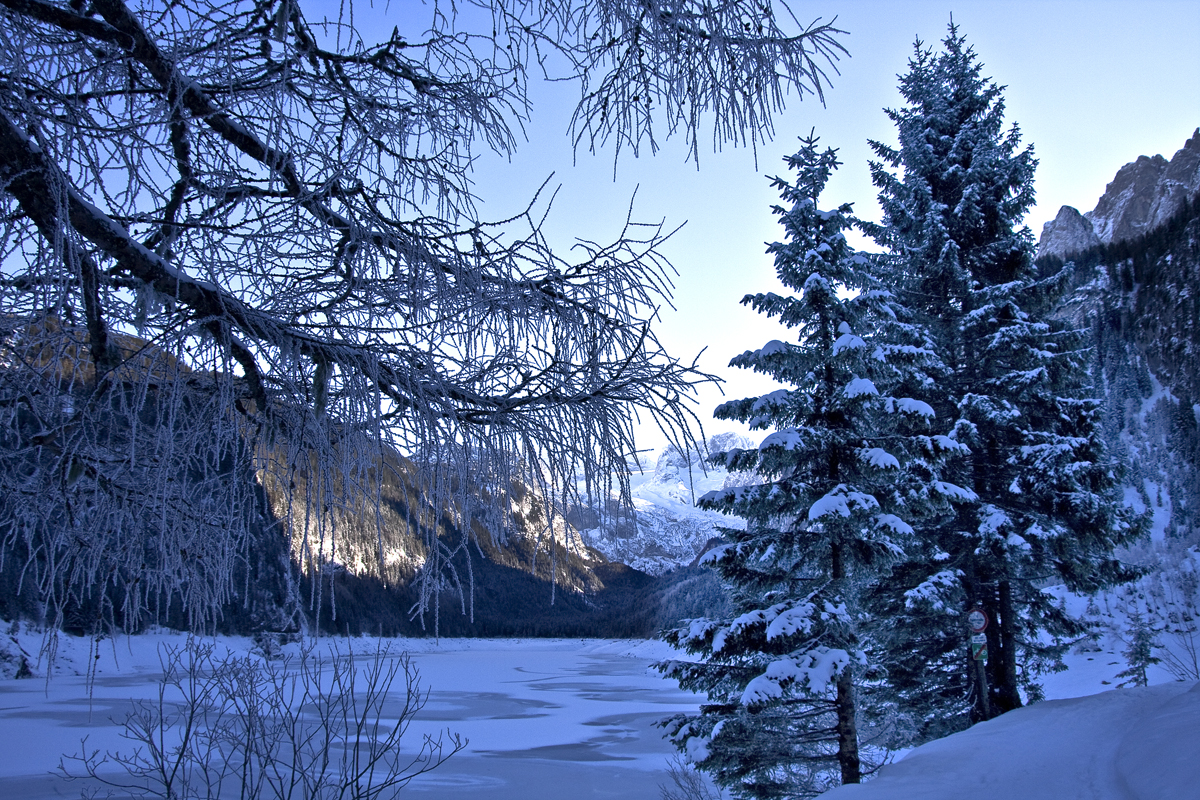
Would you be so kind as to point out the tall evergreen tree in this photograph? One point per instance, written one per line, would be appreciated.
(1039, 502)
(784, 674)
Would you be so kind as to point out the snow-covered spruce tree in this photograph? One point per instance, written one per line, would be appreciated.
(1139, 652)
(783, 675)
(1039, 503)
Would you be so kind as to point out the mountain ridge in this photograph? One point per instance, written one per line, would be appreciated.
(1142, 196)
(1134, 299)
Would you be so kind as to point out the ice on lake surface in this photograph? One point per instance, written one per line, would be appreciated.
(545, 718)
(549, 720)
(575, 719)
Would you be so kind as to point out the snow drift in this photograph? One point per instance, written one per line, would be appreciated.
(1126, 744)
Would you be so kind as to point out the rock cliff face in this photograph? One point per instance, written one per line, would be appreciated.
(1143, 196)
(1068, 233)
(1137, 290)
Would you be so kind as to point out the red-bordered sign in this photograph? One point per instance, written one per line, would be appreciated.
(978, 620)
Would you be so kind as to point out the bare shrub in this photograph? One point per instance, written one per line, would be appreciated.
(688, 782)
(301, 728)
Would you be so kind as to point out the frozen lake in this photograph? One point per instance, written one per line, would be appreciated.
(544, 718)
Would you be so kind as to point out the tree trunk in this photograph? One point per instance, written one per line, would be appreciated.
(981, 687)
(1008, 696)
(847, 729)
(977, 669)
(847, 725)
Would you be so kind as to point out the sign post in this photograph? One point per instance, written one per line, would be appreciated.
(977, 621)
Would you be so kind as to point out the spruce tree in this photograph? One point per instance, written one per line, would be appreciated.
(1139, 652)
(784, 675)
(1039, 502)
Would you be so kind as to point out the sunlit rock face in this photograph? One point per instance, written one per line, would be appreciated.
(1143, 196)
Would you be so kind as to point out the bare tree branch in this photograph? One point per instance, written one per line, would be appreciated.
(223, 208)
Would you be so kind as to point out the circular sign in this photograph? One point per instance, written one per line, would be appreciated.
(977, 619)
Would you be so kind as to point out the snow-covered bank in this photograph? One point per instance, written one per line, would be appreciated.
(1125, 744)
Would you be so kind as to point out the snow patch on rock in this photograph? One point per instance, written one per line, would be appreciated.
(664, 529)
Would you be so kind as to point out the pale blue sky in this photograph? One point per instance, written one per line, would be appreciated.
(1092, 85)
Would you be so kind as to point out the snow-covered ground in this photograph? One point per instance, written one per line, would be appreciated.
(1088, 741)
(1126, 744)
(574, 718)
(544, 718)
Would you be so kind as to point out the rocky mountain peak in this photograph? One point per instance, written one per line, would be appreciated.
(672, 461)
(1143, 195)
(1069, 232)
(663, 529)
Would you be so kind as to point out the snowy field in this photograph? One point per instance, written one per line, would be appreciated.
(545, 718)
(574, 718)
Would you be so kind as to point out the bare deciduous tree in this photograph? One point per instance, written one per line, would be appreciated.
(238, 238)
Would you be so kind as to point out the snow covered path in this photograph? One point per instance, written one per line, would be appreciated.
(1124, 744)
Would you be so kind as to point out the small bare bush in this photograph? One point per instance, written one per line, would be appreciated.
(301, 728)
(688, 782)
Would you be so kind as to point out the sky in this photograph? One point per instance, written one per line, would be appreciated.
(1092, 84)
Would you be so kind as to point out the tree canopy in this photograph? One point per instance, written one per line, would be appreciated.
(240, 237)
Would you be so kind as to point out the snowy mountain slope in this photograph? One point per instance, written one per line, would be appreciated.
(1126, 744)
(1164, 603)
(1145, 349)
(1134, 263)
(666, 530)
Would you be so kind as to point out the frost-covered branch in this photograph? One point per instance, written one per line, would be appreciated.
(224, 207)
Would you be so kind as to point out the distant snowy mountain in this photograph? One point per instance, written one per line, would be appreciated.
(664, 529)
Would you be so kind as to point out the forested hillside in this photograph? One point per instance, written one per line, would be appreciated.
(1138, 297)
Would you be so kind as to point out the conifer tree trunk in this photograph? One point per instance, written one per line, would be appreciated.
(977, 668)
(847, 729)
(847, 726)
(1007, 696)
